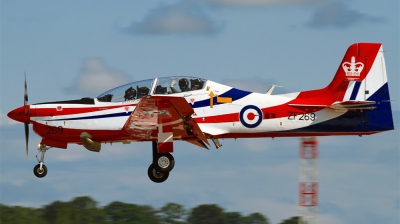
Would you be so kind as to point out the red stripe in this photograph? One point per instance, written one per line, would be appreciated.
(44, 112)
(234, 117)
(274, 112)
(73, 135)
(106, 136)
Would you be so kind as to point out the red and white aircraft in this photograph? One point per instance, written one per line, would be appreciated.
(356, 102)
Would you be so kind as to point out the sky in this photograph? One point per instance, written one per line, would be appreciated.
(75, 49)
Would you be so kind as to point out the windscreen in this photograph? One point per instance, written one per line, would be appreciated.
(130, 91)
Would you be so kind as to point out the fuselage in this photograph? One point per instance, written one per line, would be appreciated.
(220, 111)
(195, 110)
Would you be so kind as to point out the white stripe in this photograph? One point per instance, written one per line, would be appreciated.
(349, 91)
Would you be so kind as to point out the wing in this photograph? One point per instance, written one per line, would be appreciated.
(164, 119)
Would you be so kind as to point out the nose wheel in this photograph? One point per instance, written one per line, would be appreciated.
(40, 170)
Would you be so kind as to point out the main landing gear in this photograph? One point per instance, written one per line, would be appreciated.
(162, 164)
(40, 170)
(158, 171)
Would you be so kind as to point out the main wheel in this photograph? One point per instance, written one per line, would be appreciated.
(164, 162)
(157, 176)
(40, 172)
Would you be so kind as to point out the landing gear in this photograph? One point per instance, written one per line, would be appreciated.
(157, 176)
(40, 170)
(162, 164)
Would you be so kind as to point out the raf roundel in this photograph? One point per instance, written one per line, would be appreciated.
(250, 116)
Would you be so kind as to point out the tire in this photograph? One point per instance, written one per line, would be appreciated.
(40, 173)
(157, 176)
(164, 162)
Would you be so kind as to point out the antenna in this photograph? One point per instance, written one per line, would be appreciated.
(271, 89)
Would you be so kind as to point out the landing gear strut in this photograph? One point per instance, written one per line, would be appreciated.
(162, 164)
(40, 170)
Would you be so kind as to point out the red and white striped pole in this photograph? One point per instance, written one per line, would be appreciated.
(308, 181)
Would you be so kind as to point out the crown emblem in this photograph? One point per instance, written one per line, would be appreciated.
(353, 68)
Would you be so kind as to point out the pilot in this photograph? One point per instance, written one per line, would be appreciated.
(130, 94)
(183, 85)
(160, 90)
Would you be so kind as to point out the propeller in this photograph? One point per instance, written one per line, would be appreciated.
(26, 111)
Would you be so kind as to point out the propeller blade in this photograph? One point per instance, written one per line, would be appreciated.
(26, 137)
(26, 111)
(25, 95)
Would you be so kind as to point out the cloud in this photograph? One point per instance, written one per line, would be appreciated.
(96, 78)
(337, 15)
(261, 3)
(180, 18)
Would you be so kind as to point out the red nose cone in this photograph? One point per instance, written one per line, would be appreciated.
(21, 114)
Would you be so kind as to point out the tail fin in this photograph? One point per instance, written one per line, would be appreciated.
(361, 74)
(362, 77)
(360, 83)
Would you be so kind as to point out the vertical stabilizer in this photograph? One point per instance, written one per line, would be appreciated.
(361, 76)
(360, 81)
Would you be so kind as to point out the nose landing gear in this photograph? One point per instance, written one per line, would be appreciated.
(40, 170)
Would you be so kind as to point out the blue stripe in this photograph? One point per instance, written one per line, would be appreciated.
(355, 91)
(233, 93)
(122, 114)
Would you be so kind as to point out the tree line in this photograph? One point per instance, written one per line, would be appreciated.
(85, 210)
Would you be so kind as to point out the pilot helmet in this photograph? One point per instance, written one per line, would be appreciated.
(183, 83)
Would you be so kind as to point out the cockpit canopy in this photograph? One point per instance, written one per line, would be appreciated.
(166, 85)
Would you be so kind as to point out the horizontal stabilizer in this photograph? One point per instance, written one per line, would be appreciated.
(354, 105)
(342, 105)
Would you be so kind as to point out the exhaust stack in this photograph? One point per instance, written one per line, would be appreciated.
(89, 143)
